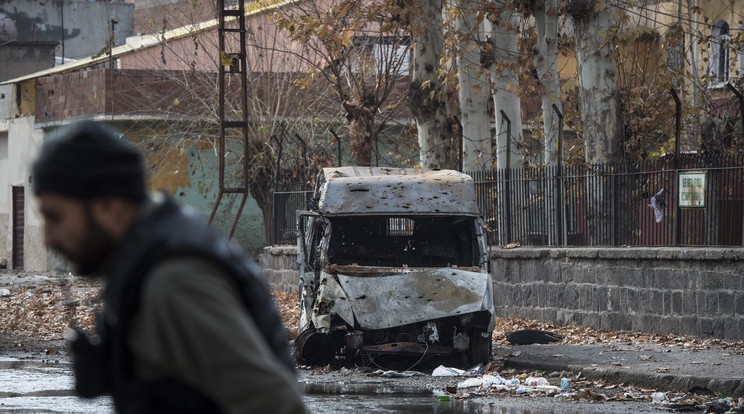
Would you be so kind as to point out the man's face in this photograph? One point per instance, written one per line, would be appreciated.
(72, 230)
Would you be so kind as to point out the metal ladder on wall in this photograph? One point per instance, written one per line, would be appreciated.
(232, 63)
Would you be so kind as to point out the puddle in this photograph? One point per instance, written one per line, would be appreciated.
(33, 386)
(43, 387)
(379, 397)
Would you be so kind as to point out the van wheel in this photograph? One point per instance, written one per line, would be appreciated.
(480, 348)
(314, 348)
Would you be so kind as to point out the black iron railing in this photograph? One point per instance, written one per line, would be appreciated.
(633, 203)
(288, 198)
(624, 204)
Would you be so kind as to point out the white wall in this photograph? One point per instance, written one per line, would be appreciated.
(4, 198)
(23, 144)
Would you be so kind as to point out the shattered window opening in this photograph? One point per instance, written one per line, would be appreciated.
(420, 241)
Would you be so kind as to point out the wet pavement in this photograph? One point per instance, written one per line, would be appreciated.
(45, 386)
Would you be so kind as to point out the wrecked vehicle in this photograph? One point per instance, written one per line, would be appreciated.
(393, 263)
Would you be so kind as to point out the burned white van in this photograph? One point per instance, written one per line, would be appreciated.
(393, 262)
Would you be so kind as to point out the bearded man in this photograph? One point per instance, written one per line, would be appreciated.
(188, 324)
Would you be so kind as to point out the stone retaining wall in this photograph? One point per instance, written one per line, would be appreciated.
(698, 292)
(280, 265)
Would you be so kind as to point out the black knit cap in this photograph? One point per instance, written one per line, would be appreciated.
(87, 160)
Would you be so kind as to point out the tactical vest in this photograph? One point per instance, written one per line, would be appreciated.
(168, 231)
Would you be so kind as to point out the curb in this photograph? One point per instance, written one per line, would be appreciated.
(728, 387)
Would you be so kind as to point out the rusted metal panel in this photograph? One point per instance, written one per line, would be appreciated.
(409, 296)
(376, 190)
(19, 207)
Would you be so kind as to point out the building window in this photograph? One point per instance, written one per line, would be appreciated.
(719, 56)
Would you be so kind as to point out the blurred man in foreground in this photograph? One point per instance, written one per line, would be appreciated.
(188, 324)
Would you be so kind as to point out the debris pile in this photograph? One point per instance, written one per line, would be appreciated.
(576, 388)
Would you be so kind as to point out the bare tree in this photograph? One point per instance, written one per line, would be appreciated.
(599, 95)
(178, 100)
(473, 87)
(436, 126)
(356, 49)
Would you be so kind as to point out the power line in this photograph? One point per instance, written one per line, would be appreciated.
(627, 8)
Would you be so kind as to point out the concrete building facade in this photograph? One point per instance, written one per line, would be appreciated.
(80, 28)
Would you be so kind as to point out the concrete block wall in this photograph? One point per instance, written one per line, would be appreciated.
(686, 291)
(697, 292)
(70, 95)
(280, 266)
(98, 91)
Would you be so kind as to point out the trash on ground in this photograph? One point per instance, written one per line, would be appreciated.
(658, 397)
(442, 371)
(396, 374)
(441, 395)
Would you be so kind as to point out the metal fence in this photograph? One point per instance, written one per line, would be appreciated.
(695, 200)
(633, 203)
(288, 198)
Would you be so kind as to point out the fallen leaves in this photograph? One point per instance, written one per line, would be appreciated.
(577, 335)
(289, 309)
(44, 312)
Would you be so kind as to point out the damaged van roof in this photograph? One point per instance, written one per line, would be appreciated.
(406, 191)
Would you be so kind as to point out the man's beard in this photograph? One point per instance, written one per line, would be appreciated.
(93, 249)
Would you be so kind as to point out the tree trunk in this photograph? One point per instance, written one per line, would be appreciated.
(508, 112)
(598, 91)
(473, 92)
(427, 96)
(599, 100)
(505, 83)
(546, 64)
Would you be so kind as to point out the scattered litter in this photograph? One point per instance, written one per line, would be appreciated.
(442, 371)
(4, 292)
(441, 395)
(404, 374)
(30, 294)
(658, 397)
(565, 385)
(470, 383)
(535, 381)
(475, 371)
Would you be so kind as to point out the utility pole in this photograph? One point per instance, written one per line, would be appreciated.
(232, 62)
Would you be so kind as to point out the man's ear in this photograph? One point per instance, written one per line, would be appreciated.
(113, 214)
